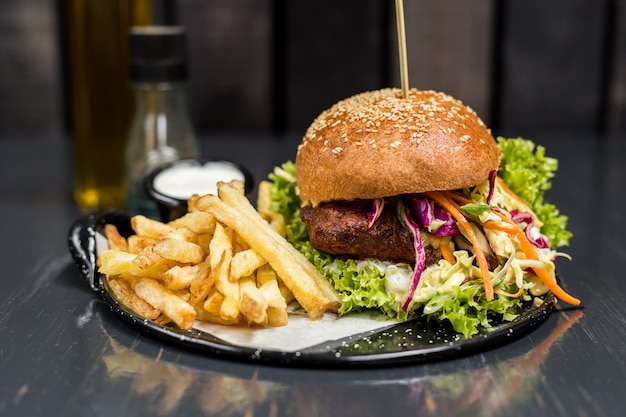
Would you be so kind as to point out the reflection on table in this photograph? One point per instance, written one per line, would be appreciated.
(485, 391)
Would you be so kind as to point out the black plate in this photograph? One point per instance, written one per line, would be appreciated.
(414, 341)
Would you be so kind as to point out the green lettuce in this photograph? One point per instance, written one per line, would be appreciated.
(467, 309)
(528, 172)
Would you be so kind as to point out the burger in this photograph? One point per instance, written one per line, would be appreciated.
(409, 206)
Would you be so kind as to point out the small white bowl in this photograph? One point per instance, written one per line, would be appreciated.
(171, 185)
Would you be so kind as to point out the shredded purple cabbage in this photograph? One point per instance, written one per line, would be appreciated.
(492, 184)
(374, 213)
(526, 218)
(420, 255)
(427, 212)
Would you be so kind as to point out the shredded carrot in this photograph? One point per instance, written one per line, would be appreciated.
(542, 273)
(518, 294)
(447, 253)
(506, 227)
(483, 264)
(515, 196)
(457, 197)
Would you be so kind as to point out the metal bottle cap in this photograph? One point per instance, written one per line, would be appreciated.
(158, 54)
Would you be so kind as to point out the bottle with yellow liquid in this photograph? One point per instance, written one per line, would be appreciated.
(101, 100)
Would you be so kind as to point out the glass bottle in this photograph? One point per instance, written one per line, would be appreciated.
(100, 102)
(161, 130)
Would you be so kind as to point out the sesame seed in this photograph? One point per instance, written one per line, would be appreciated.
(387, 112)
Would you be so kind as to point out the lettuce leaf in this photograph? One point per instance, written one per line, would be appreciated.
(528, 172)
(467, 309)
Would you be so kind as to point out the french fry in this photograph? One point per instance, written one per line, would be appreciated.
(113, 262)
(125, 294)
(136, 243)
(147, 257)
(264, 201)
(277, 221)
(220, 252)
(159, 297)
(183, 234)
(244, 263)
(253, 304)
(285, 292)
(114, 238)
(199, 222)
(183, 294)
(200, 288)
(213, 302)
(146, 227)
(277, 317)
(162, 320)
(191, 203)
(222, 246)
(180, 277)
(179, 250)
(239, 187)
(227, 192)
(209, 317)
(239, 244)
(204, 240)
(291, 268)
(211, 309)
(223, 262)
(267, 283)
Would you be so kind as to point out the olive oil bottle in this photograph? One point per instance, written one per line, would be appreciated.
(101, 100)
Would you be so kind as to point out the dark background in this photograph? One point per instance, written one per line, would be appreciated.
(272, 65)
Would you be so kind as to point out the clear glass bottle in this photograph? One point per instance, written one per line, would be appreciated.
(161, 130)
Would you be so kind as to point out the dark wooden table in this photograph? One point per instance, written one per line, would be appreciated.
(63, 352)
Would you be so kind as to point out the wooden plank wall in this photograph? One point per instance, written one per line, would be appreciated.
(451, 47)
(31, 96)
(553, 64)
(273, 65)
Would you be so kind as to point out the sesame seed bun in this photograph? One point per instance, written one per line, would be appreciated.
(378, 144)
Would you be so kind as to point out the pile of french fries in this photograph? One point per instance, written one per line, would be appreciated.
(222, 262)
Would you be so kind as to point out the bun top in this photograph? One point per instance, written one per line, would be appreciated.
(378, 144)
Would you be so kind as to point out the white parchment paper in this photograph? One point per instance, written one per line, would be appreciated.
(299, 333)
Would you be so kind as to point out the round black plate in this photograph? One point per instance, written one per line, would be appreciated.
(415, 341)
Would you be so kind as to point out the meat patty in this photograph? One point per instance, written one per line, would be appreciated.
(340, 228)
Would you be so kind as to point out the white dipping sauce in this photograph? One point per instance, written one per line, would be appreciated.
(183, 181)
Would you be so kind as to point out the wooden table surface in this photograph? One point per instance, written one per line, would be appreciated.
(63, 352)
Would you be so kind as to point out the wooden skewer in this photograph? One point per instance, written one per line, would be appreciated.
(404, 69)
